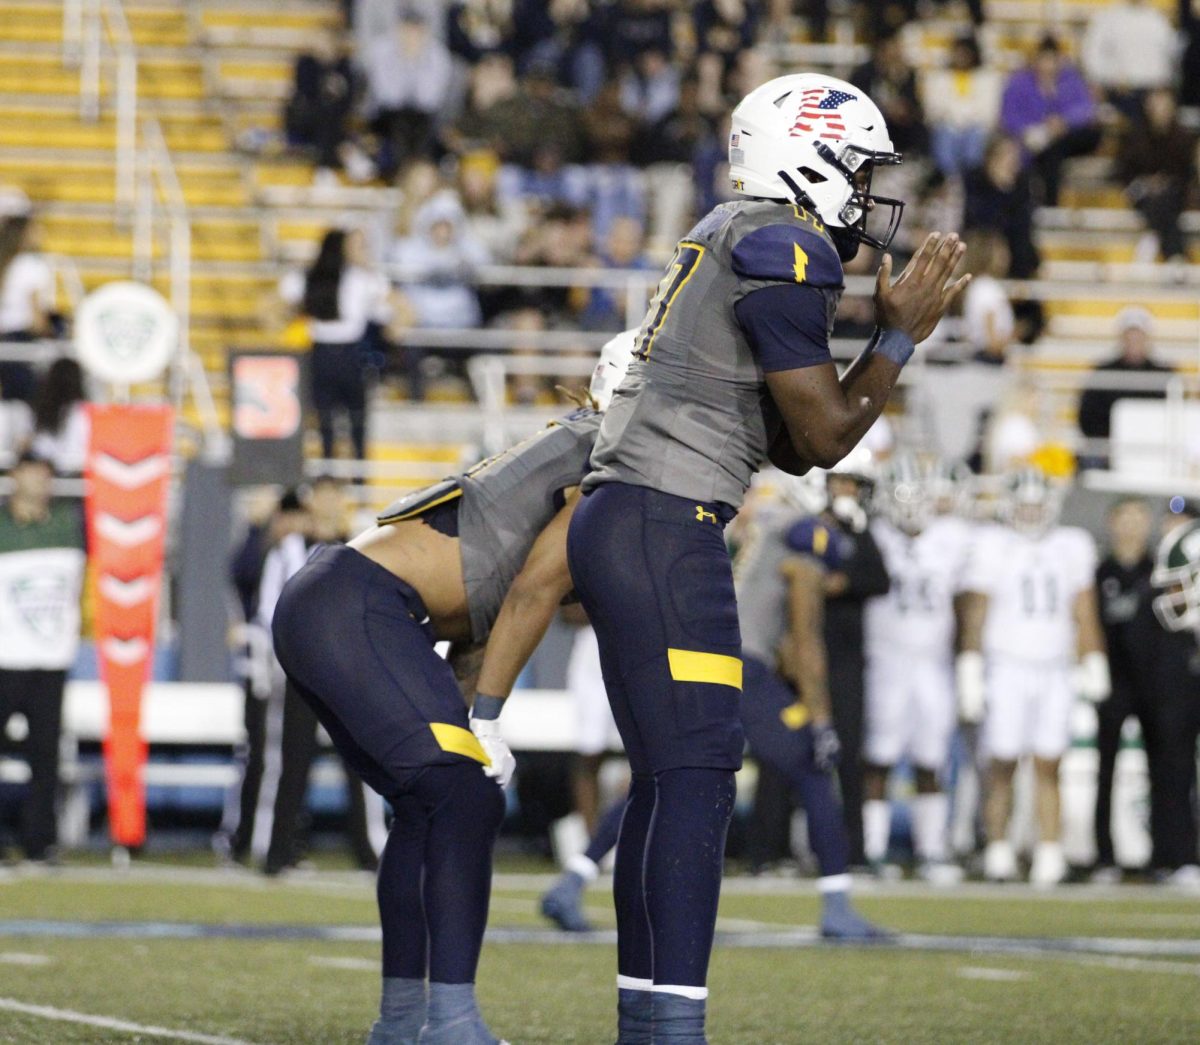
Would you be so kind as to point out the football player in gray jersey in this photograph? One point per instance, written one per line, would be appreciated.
(732, 369)
(355, 628)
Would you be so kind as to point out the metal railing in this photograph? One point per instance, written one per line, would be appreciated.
(148, 193)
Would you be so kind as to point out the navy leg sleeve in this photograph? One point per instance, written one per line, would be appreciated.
(634, 952)
(685, 857)
(607, 833)
(464, 809)
(398, 890)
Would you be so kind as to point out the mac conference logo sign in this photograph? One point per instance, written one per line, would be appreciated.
(126, 333)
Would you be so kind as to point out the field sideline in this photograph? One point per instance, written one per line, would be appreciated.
(164, 953)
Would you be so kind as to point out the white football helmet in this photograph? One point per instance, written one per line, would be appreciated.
(814, 140)
(1032, 503)
(909, 492)
(611, 367)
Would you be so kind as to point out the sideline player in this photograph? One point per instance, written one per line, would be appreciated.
(355, 631)
(910, 632)
(1030, 613)
(732, 368)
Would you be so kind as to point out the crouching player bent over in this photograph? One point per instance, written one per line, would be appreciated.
(355, 630)
(732, 368)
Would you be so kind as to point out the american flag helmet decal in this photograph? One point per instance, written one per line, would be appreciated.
(819, 113)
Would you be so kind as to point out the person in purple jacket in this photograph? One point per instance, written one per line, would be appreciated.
(1048, 107)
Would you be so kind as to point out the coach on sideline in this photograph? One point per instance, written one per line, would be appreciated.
(41, 576)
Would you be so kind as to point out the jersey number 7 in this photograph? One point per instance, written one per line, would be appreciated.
(683, 264)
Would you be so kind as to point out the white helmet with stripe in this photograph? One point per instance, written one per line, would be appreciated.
(814, 140)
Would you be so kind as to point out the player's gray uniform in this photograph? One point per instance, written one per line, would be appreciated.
(762, 589)
(693, 417)
(504, 504)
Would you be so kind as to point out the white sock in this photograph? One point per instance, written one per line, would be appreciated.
(584, 867)
(930, 820)
(877, 827)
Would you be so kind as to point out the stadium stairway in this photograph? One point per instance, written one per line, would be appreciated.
(215, 72)
(208, 72)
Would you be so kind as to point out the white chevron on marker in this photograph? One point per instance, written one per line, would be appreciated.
(126, 593)
(127, 534)
(130, 476)
(125, 651)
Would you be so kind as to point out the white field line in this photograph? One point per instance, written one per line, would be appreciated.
(979, 972)
(48, 1012)
(361, 883)
(22, 958)
(350, 964)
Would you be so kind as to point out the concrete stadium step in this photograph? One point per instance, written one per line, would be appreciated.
(221, 240)
(37, 128)
(45, 74)
(205, 180)
(33, 22)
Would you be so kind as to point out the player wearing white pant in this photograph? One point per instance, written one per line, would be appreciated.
(595, 731)
(910, 631)
(1031, 613)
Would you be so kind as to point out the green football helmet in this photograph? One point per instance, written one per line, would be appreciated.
(1177, 572)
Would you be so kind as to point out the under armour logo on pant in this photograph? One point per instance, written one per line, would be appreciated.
(702, 515)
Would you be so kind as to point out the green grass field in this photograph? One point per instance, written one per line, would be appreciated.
(1134, 975)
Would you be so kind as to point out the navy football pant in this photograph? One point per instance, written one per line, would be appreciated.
(789, 751)
(355, 643)
(653, 573)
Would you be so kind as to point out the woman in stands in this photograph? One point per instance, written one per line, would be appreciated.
(340, 296)
(26, 301)
(355, 630)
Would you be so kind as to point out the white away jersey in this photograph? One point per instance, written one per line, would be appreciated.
(1031, 584)
(926, 572)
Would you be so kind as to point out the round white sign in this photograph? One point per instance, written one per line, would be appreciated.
(125, 333)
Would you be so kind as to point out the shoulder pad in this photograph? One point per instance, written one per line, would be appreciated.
(420, 501)
(788, 251)
(813, 538)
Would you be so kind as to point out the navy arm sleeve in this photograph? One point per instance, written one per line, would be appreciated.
(785, 324)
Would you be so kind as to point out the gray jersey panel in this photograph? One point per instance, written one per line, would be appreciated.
(693, 417)
(762, 594)
(504, 503)
(508, 500)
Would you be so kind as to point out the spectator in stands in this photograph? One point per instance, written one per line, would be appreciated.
(962, 104)
(409, 78)
(725, 28)
(440, 260)
(41, 578)
(635, 26)
(497, 226)
(608, 307)
(492, 82)
(538, 125)
(340, 296)
(26, 301)
(325, 91)
(998, 197)
(1156, 163)
(1129, 48)
(1134, 345)
(988, 321)
(1048, 107)
(649, 88)
(61, 426)
(892, 84)
(1131, 635)
(567, 34)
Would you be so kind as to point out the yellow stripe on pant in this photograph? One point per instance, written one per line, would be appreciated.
(693, 666)
(458, 741)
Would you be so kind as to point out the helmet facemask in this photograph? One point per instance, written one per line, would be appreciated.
(1177, 573)
(857, 165)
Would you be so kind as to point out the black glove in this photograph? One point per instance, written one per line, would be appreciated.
(827, 749)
